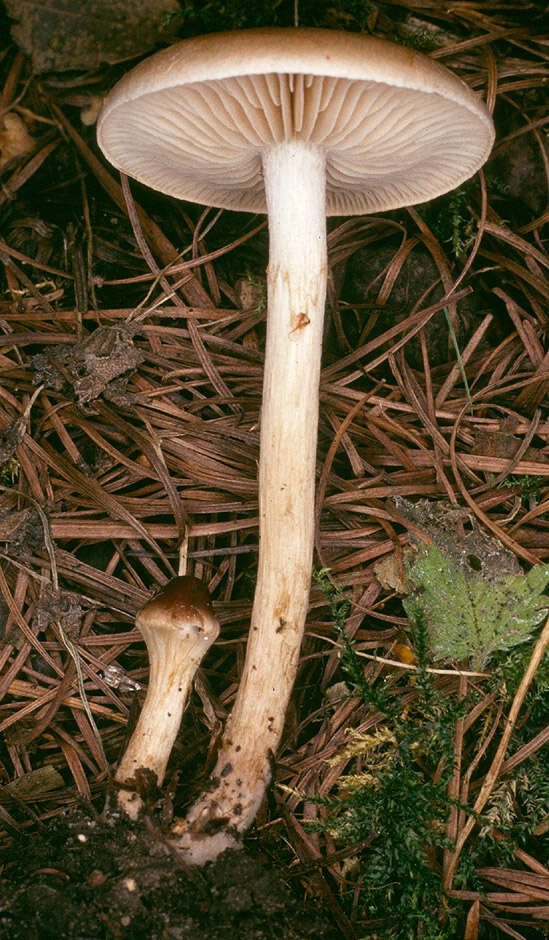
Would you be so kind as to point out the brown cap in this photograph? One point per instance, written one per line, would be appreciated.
(182, 601)
(396, 127)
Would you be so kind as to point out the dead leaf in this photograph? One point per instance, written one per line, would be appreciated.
(337, 692)
(33, 785)
(500, 444)
(454, 530)
(10, 523)
(74, 35)
(11, 437)
(92, 365)
(22, 530)
(389, 573)
(251, 294)
(15, 139)
(62, 607)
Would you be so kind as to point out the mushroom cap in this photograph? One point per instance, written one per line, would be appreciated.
(396, 127)
(182, 606)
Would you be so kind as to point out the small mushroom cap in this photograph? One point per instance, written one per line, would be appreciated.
(182, 604)
(396, 127)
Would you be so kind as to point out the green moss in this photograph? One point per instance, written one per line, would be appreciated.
(451, 220)
(395, 795)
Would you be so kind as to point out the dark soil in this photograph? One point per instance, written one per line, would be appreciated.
(85, 878)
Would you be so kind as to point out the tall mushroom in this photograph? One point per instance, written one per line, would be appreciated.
(300, 123)
(178, 626)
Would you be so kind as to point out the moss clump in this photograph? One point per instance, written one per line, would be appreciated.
(395, 795)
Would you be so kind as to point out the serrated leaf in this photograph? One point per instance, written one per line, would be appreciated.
(467, 614)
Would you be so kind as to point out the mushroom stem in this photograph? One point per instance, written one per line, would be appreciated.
(165, 702)
(296, 276)
(178, 626)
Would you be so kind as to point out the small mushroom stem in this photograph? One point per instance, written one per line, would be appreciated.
(296, 277)
(178, 626)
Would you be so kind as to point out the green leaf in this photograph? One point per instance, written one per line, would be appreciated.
(470, 615)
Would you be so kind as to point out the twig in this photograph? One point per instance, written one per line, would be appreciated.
(495, 767)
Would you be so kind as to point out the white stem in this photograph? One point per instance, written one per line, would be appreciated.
(296, 277)
(174, 656)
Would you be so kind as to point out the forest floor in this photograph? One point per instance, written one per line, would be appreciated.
(411, 790)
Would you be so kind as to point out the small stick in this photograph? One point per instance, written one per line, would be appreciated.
(493, 773)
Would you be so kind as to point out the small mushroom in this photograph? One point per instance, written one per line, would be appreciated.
(301, 124)
(178, 626)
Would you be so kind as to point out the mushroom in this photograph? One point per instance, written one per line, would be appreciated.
(178, 626)
(301, 124)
